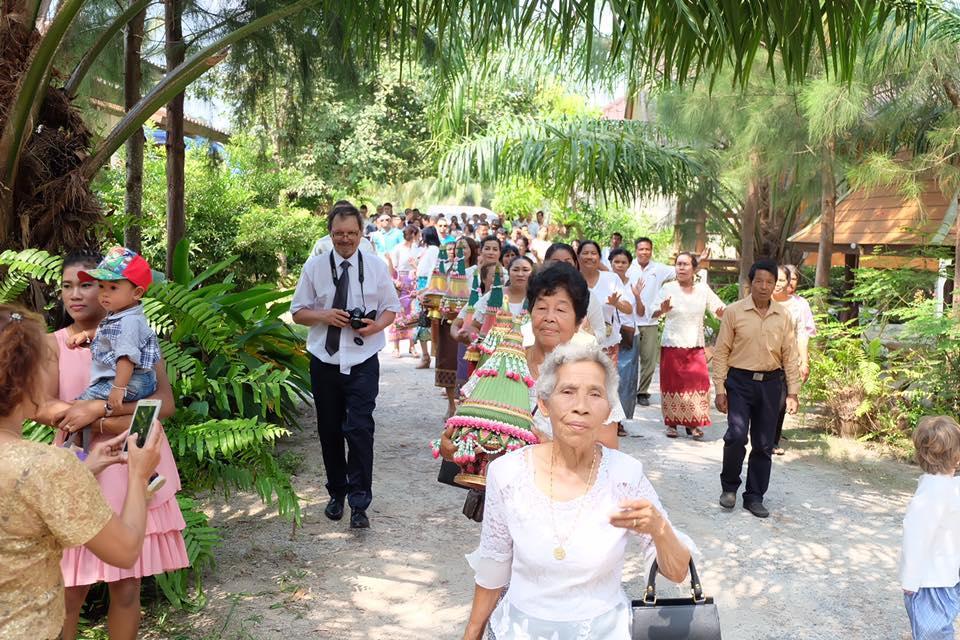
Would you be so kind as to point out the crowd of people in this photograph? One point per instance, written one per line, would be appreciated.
(596, 322)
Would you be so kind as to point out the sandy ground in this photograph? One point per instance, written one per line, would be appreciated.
(824, 565)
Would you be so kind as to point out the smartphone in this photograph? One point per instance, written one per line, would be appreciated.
(143, 418)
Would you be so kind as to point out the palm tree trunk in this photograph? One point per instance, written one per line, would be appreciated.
(631, 99)
(133, 195)
(828, 216)
(176, 156)
(956, 272)
(748, 223)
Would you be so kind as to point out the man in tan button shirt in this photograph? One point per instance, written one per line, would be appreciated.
(755, 371)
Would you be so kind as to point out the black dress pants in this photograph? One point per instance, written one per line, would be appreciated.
(345, 404)
(753, 408)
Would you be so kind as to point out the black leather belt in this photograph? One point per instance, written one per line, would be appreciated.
(759, 376)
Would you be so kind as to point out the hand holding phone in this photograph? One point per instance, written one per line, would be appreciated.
(144, 417)
(143, 445)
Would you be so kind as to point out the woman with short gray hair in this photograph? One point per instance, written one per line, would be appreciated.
(558, 516)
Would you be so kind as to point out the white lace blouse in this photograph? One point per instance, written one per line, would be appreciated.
(580, 596)
(684, 322)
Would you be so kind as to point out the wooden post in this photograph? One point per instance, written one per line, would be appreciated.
(176, 153)
(851, 261)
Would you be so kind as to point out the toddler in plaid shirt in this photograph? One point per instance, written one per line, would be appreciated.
(124, 349)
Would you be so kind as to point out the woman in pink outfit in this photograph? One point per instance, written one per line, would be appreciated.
(163, 545)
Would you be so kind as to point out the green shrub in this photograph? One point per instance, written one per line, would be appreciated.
(272, 242)
(878, 392)
(847, 375)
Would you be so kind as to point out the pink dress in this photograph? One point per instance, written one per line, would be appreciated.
(163, 546)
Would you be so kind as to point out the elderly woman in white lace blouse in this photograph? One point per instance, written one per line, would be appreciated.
(558, 516)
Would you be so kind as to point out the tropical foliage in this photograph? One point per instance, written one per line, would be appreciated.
(878, 376)
(583, 155)
(238, 373)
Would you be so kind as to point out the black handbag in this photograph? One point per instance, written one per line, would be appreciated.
(449, 471)
(626, 335)
(693, 618)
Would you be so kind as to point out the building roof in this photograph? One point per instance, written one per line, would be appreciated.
(883, 217)
(192, 126)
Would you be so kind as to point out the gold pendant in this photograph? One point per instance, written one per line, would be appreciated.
(559, 553)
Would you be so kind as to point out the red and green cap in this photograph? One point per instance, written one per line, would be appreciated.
(120, 263)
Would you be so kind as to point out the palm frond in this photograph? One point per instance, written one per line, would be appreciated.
(179, 313)
(611, 158)
(24, 266)
(36, 432)
(215, 438)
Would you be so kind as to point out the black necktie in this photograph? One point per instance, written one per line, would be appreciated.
(332, 343)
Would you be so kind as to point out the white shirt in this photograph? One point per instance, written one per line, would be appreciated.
(315, 290)
(533, 228)
(325, 245)
(580, 596)
(428, 261)
(653, 277)
(593, 323)
(516, 309)
(539, 248)
(684, 324)
(609, 283)
(930, 556)
(405, 258)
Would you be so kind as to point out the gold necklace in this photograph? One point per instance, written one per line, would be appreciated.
(558, 552)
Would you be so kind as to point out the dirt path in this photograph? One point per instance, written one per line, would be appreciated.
(822, 566)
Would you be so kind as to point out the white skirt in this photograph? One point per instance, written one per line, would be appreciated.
(509, 623)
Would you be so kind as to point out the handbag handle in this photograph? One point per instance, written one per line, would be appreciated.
(696, 590)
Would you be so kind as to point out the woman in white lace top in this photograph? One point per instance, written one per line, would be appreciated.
(684, 378)
(558, 517)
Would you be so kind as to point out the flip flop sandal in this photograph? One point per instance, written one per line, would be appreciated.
(621, 431)
(697, 433)
(671, 432)
(778, 451)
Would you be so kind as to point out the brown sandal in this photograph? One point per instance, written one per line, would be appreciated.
(621, 432)
(424, 363)
(697, 433)
(671, 432)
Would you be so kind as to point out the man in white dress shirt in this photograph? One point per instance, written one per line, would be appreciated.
(616, 241)
(347, 298)
(646, 277)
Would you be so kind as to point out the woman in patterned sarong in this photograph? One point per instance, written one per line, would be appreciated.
(402, 261)
(684, 378)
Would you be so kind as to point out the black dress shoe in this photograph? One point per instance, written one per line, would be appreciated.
(728, 499)
(334, 509)
(757, 509)
(643, 399)
(359, 519)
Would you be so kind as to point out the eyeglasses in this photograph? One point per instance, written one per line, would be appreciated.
(348, 235)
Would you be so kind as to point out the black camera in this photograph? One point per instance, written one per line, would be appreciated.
(357, 316)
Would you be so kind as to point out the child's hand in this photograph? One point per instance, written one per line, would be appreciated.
(116, 396)
(78, 340)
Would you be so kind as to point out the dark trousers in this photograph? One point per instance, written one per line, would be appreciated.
(754, 407)
(780, 419)
(345, 405)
